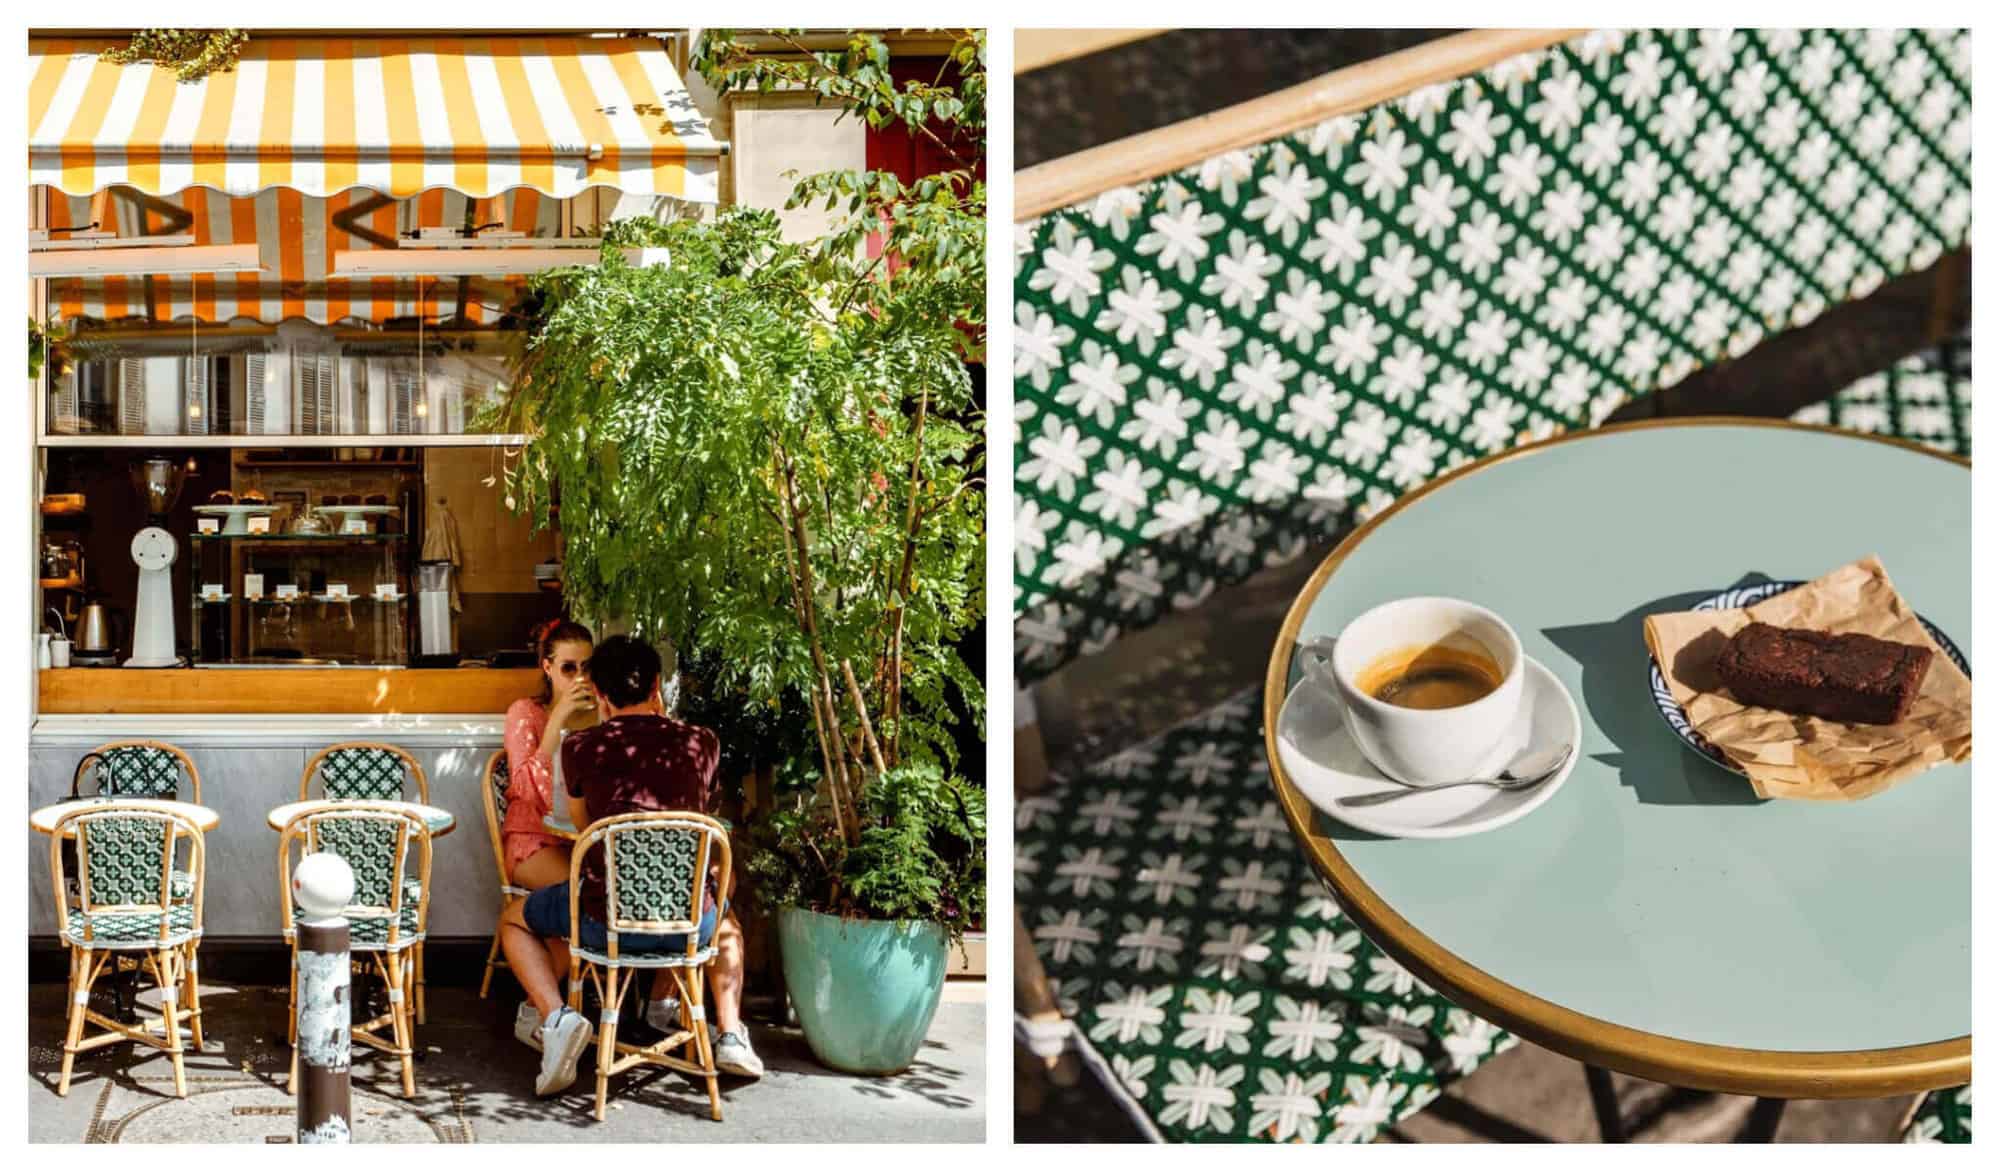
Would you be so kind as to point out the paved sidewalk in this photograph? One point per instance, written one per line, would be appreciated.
(475, 1084)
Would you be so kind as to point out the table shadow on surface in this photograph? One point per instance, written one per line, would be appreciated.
(1660, 770)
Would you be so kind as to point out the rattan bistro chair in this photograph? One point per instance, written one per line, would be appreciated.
(656, 868)
(389, 851)
(125, 860)
(493, 789)
(370, 771)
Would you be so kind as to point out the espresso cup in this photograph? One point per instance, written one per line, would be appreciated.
(1422, 746)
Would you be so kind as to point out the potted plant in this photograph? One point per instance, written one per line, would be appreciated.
(769, 453)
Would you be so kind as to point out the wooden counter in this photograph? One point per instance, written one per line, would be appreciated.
(286, 690)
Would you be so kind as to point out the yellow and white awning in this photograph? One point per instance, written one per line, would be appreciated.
(480, 115)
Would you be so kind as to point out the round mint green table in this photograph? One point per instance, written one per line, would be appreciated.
(1655, 917)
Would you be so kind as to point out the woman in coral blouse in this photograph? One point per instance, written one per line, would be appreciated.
(535, 724)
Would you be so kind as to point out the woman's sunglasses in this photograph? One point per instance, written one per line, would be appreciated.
(572, 667)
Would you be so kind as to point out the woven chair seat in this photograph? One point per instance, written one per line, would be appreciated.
(1191, 945)
(633, 958)
(130, 930)
(371, 933)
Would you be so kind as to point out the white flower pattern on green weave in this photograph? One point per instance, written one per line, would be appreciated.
(363, 772)
(655, 873)
(1222, 366)
(123, 858)
(138, 771)
(1943, 1117)
(1200, 1097)
(1202, 975)
(1926, 397)
(368, 846)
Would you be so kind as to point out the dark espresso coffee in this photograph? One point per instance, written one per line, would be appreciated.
(1433, 676)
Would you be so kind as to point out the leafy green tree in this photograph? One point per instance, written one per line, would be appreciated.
(770, 453)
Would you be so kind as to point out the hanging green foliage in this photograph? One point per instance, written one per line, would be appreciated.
(192, 53)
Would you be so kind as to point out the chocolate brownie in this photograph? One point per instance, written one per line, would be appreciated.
(1856, 679)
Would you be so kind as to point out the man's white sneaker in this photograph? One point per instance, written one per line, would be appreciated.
(733, 1054)
(564, 1036)
(528, 1026)
(664, 1015)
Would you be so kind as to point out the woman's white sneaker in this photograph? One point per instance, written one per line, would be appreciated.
(564, 1036)
(733, 1054)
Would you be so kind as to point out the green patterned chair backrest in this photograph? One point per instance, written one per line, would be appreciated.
(123, 858)
(365, 772)
(1217, 367)
(656, 871)
(138, 771)
(496, 784)
(377, 847)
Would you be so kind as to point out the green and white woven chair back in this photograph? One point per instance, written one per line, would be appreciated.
(364, 772)
(124, 859)
(138, 771)
(375, 847)
(1219, 366)
(655, 876)
(496, 781)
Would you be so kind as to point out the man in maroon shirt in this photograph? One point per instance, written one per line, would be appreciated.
(639, 759)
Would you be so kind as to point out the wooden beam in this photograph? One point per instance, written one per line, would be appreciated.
(1081, 176)
(287, 690)
(465, 262)
(1035, 48)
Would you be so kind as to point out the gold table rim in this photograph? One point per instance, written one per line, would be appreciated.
(1827, 1074)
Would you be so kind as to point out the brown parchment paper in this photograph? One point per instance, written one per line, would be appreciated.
(1805, 757)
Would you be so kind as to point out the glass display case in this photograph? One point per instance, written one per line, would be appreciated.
(301, 599)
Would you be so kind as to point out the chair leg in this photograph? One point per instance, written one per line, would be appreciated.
(399, 1014)
(1604, 1099)
(292, 999)
(418, 958)
(79, 999)
(194, 994)
(164, 967)
(492, 960)
(691, 993)
(607, 1033)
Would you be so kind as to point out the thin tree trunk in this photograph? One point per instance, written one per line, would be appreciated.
(861, 711)
(892, 706)
(851, 823)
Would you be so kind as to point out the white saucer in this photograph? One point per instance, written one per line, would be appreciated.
(1323, 761)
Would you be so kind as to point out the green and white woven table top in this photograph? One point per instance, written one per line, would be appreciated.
(1193, 948)
(1218, 365)
(1654, 891)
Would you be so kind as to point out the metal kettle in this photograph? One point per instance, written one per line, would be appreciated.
(93, 630)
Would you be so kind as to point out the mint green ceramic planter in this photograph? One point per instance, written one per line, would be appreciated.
(865, 990)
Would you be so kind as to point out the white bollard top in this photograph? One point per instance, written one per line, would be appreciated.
(322, 884)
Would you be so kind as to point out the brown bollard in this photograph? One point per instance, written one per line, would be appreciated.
(322, 885)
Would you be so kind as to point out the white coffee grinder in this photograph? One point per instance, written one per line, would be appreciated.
(158, 482)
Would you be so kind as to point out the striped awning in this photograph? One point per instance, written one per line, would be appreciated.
(395, 115)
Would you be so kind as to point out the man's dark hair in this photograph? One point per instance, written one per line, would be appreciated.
(625, 670)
